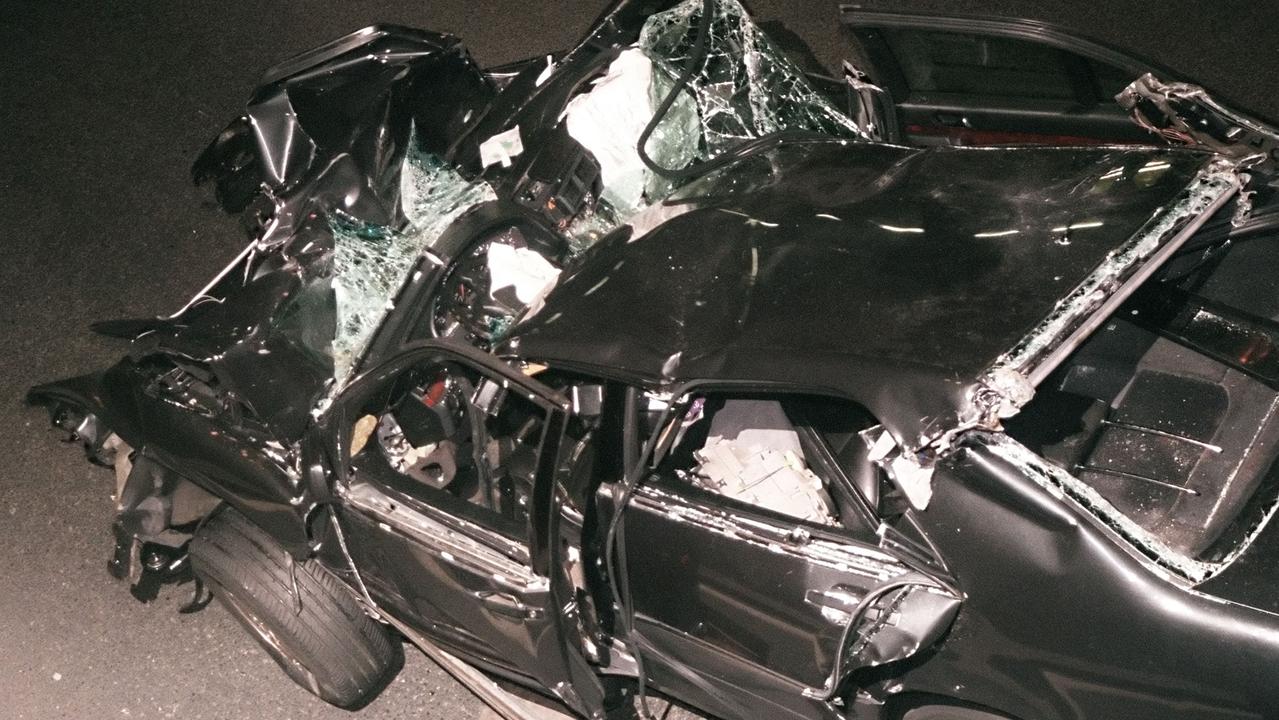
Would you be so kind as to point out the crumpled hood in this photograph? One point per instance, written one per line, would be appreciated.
(929, 285)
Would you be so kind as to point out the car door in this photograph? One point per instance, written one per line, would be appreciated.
(448, 459)
(748, 612)
(985, 81)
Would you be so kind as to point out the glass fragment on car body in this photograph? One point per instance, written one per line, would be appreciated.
(746, 89)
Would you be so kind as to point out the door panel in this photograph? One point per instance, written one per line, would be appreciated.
(445, 454)
(767, 609)
(977, 81)
(449, 582)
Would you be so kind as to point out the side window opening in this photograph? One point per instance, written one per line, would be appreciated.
(446, 428)
(839, 425)
(792, 455)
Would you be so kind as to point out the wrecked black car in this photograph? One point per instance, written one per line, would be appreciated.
(945, 389)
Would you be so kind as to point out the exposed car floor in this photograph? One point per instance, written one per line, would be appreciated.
(104, 112)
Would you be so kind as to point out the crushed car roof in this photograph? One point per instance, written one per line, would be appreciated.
(898, 277)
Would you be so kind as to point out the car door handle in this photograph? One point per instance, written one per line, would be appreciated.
(956, 120)
(507, 604)
(841, 597)
(840, 602)
(836, 603)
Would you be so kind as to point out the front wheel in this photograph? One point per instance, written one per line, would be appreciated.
(318, 635)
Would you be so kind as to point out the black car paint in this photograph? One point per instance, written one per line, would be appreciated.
(846, 258)
(529, 633)
(696, 610)
(1122, 639)
(323, 139)
(1003, 537)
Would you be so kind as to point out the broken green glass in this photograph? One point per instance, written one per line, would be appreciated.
(745, 88)
(372, 262)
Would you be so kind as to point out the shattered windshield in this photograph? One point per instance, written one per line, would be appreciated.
(743, 88)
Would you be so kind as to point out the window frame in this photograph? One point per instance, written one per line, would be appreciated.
(855, 20)
(1090, 118)
(865, 520)
(651, 450)
(467, 517)
(1071, 68)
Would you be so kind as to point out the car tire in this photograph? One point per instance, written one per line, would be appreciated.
(948, 712)
(329, 645)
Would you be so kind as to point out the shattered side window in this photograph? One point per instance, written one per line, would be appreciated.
(746, 88)
(371, 261)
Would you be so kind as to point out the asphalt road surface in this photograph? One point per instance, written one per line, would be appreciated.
(102, 109)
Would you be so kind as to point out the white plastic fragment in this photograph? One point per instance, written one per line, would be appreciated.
(913, 479)
(501, 148)
(763, 476)
(527, 272)
(880, 446)
(753, 453)
(1011, 391)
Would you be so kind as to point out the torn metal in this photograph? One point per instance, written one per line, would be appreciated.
(387, 203)
(912, 476)
(745, 89)
(1006, 385)
(872, 609)
(1060, 482)
(913, 257)
(1186, 114)
(609, 119)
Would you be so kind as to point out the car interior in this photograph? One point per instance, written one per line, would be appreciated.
(1178, 438)
(798, 457)
(444, 433)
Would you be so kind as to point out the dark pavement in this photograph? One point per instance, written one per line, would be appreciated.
(103, 106)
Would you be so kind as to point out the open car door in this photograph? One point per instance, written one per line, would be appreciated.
(753, 612)
(448, 459)
(986, 81)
